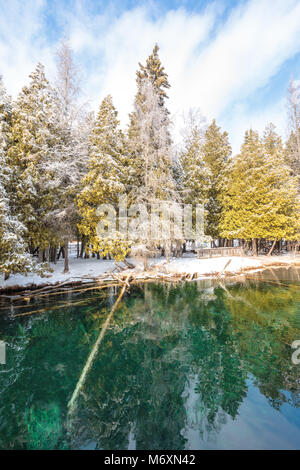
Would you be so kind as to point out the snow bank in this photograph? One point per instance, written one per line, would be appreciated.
(80, 270)
(85, 269)
(212, 265)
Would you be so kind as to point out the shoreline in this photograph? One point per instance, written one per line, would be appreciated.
(176, 270)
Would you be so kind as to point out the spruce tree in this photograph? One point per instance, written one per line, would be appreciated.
(152, 148)
(155, 72)
(152, 73)
(152, 167)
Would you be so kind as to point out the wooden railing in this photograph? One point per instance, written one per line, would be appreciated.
(212, 252)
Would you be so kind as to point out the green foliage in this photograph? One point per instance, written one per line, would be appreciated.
(44, 427)
(13, 256)
(216, 155)
(149, 134)
(175, 357)
(260, 196)
(105, 180)
(154, 71)
(34, 140)
(195, 175)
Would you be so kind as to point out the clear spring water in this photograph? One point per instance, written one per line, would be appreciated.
(193, 366)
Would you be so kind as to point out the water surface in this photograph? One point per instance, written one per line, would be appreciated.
(199, 365)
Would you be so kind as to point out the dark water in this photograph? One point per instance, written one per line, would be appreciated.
(196, 366)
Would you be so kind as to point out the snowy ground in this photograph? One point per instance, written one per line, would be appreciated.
(79, 269)
(85, 269)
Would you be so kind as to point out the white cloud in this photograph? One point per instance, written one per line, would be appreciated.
(249, 49)
(213, 65)
(22, 41)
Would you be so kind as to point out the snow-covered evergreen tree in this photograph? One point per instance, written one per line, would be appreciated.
(291, 156)
(69, 165)
(34, 142)
(105, 180)
(294, 122)
(195, 176)
(152, 161)
(155, 72)
(152, 77)
(13, 256)
(153, 148)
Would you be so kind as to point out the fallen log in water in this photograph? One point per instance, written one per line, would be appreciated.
(222, 271)
(94, 351)
(157, 273)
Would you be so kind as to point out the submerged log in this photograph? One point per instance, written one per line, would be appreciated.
(222, 271)
(94, 351)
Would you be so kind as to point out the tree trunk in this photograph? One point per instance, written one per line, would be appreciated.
(272, 248)
(258, 245)
(41, 255)
(82, 247)
(47, 254)
(61, 252)
(66, 245)
(54, 254)
(6, 276)
(145, 263)
(254, 246)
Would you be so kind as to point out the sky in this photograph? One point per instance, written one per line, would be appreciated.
(232, 59)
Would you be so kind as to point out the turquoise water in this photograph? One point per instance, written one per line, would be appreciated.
(194, 366)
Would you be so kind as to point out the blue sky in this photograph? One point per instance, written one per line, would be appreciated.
(232, 59)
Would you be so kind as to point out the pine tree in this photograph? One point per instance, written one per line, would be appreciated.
(216, 154)
(152, 166)
(260, 196)
(104, 181)
(151, 155)
(152, 73)
(153, 149)
(155, 72)
(149, 107)
(13, 256)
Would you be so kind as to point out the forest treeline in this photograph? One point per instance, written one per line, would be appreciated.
(59, 162)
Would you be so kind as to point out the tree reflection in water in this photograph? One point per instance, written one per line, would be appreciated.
(176, 362)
